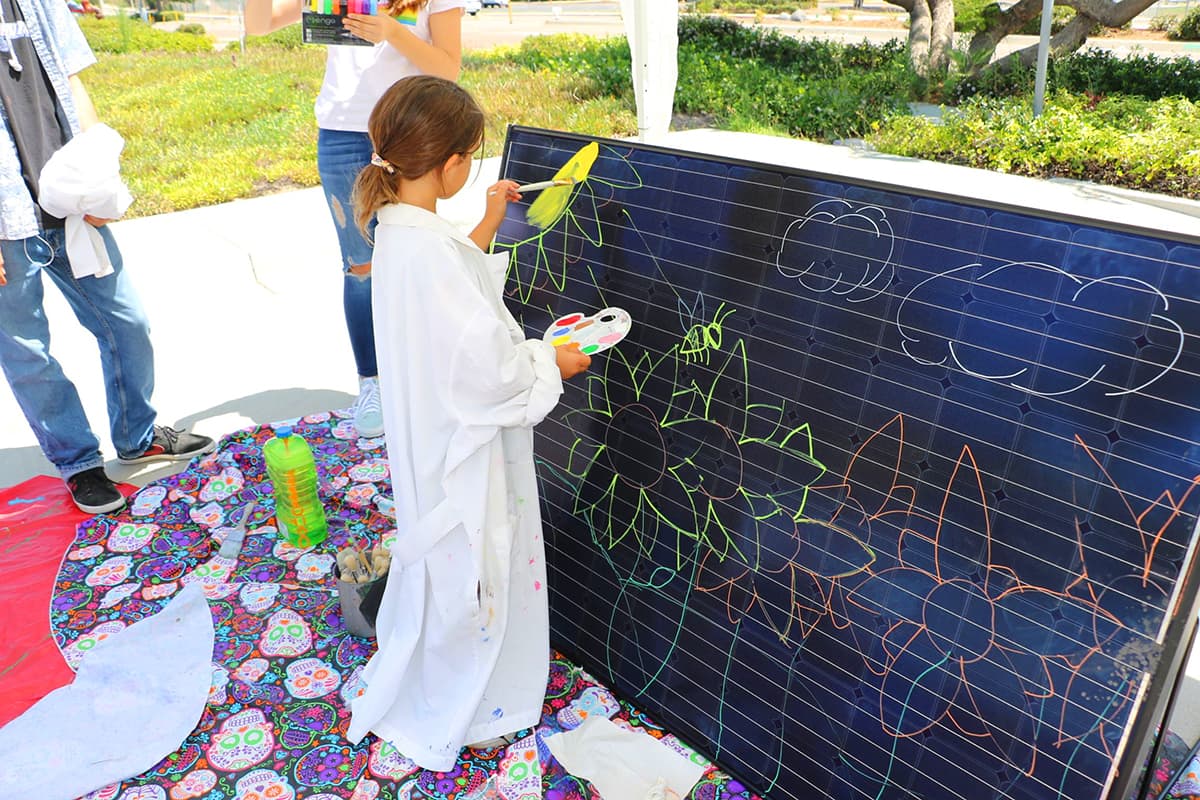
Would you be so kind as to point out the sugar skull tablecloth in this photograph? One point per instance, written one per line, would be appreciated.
(284, 667)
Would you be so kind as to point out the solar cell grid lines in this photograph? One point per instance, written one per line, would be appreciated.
(885, 494)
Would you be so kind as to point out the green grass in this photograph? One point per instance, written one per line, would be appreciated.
(208, 127)
(120, 34)
(201, 129)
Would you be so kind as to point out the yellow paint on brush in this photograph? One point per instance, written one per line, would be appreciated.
(552, 203)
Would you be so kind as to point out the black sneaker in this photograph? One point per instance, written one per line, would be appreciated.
(169, 444)
(93, 492)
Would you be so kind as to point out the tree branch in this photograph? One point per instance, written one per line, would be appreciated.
(983, 43)
(1112, 15)
(1067, 40)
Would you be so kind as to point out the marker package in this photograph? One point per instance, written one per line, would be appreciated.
(321, 21)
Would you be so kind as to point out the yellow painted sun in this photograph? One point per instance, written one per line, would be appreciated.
(553, 202)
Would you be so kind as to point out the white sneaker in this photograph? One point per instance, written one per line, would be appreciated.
(368, 409)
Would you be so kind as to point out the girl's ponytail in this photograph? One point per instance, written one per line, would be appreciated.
(418, 124)
(374, 188)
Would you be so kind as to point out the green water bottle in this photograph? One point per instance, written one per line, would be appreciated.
(292, 471)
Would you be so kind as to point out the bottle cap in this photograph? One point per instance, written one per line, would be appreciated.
(283, 431)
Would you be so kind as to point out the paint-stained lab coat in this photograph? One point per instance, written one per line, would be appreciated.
(463, 629)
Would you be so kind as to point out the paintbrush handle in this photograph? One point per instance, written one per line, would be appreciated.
(540, 185)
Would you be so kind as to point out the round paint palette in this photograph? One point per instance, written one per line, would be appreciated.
(593, 334)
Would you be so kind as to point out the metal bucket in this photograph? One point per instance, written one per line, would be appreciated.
(350, 597)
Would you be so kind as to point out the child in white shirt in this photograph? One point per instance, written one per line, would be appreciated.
(463, 628)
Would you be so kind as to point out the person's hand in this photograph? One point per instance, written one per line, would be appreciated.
(96, 222)
(372, 27)
(499, 195)
(571, 362)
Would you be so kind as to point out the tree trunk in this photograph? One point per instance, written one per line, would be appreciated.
(920, 26)
(942, 37)
(930, 35)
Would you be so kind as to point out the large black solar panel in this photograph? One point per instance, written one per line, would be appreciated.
(886, 494)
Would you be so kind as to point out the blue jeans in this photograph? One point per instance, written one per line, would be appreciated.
(109, 308)
(341, 155)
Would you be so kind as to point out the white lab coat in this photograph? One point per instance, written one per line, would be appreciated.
(463, 629)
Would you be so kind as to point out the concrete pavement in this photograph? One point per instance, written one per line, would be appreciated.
(244, 301)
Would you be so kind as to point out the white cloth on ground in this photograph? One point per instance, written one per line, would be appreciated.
(137, 696)
(622, 764)
(84, 177)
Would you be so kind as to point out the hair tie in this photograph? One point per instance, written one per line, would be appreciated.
(380, 161)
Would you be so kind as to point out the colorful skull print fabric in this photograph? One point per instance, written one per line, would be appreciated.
(284, 667)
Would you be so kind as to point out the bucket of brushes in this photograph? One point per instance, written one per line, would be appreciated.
(361, 578)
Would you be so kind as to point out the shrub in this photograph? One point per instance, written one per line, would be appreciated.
(1125, 141)
(1095, 72)
(1165, 24)
(119, 34)
(284, 39)
(970, 15)
(166, 16)
(193, 28)
(1144, 74)
(725, 37)
(751, 6)
(1189, 27)
(597, 66)
(832, 103)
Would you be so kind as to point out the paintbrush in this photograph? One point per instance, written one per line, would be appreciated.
(537, 187)
(540, 185)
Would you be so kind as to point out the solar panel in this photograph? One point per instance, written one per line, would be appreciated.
(886, 494)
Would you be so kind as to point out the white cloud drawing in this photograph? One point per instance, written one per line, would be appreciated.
(840, 248)
(1115, 310)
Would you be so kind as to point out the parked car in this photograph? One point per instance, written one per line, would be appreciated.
(472, 7)
(496, 3)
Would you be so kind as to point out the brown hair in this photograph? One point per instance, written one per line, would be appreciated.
(417, 126)
(398, 7)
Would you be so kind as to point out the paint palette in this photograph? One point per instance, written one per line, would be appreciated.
(593, 334)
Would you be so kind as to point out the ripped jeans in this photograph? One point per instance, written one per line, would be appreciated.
(341, 155)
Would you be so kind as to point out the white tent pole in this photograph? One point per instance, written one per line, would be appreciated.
(651, 26)
(641, 64)
(1043, 57)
